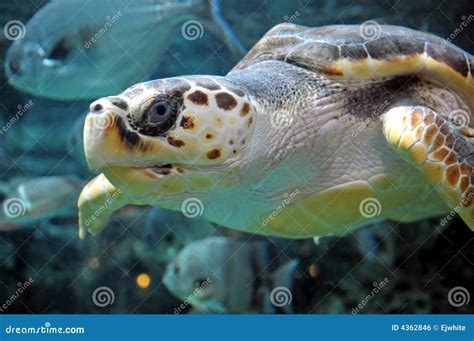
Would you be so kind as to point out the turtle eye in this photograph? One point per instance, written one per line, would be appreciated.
(159, 113)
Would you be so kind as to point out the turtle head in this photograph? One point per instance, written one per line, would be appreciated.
(182, 130)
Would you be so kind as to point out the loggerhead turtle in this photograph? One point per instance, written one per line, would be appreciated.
(315, 132)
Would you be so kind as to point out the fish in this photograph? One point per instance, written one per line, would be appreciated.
(166, 232)
(104, 46)
(221, 275)
(25, 202)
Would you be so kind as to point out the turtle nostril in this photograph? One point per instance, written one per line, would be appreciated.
(96, 106)
(15, 67)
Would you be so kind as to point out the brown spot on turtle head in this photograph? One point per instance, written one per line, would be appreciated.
(226, 101)
(198, 97)
(209, 136)
(187, 122)
(245, 109)
(214, 153)
(118, 102)
(175, 142)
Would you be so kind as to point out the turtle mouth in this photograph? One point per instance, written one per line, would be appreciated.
(164, 170)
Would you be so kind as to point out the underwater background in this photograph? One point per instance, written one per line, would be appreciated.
(45, 268)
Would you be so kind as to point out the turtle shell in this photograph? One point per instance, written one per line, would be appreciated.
(367, 52)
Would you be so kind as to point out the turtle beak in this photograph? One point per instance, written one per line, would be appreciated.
(101, 141)
(109, 139)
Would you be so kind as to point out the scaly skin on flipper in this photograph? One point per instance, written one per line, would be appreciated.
(440, 150)
(291, 142)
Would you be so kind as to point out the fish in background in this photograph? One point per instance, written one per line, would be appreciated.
(166, 232)
(25, 202)
(221, 275)
(76, 49)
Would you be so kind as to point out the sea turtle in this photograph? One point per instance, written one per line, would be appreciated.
(315, 132)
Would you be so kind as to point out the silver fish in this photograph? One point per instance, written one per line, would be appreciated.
(29, 201)
(81, 49)
(220, 275)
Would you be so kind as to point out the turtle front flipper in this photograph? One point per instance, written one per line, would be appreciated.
(98, 200)
(440, 149)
